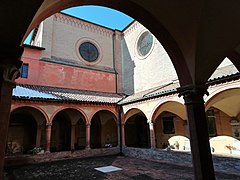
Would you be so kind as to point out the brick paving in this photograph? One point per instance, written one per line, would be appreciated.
(133, 168)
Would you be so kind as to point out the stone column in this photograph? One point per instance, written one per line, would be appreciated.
(123, 135)
(9, 71)
(39, 135)
(152, 134)
(88, 136)
(48, 136)
(73, 136)
(198, 129)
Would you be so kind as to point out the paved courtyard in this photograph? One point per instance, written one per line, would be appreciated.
(132, 168)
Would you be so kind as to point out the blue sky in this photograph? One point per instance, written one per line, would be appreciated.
(100, 15)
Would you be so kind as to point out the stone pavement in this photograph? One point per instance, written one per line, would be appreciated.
(133, 168)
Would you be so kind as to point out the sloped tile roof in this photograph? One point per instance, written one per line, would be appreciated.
(44, 93)
(223, 74)
(165, 89)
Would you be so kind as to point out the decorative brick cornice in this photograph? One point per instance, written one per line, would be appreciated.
(76, 22)
(131, 28)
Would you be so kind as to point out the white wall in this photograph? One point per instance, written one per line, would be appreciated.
(151, 71)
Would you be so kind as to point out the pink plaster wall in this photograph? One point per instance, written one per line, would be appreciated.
(57, 75)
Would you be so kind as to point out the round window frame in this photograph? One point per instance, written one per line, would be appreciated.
(98, 47)
(137, 53)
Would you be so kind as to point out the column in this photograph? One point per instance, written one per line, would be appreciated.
(152, 134)
(73, 136)
(123, 135)
(39, 135)
(48, 136)
(9, 71)
(199, 140)
(88, 136)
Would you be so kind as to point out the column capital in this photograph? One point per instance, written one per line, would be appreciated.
(88, 125)
(49, 124)
(193, 93)
(10, 63)
(151, 122)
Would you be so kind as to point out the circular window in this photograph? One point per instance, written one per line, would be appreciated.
(88, 51)
(145, 43)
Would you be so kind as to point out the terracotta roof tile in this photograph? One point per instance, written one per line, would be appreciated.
(32, 92)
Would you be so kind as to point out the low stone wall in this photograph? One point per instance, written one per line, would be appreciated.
(48, 157)
(227, 164)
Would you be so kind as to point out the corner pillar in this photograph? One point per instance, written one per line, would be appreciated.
(198, 129)
(9, 71)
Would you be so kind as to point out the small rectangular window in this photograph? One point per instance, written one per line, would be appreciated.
(168, 125)
(211, 123)
(24, 71)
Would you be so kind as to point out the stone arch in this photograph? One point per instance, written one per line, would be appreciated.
(166, 125)
(27, 130)
(222, 98)
(140, 13)
(35, 107)
(103, 129)
(110, 110)
(132, 112)
(173, 106)
(68, 130)
(137, 132)
(74, 108)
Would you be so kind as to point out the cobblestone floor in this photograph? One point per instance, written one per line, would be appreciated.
(133, 168)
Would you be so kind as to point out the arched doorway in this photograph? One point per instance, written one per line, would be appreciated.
(103, 130)
(27, 130)
(137, 132)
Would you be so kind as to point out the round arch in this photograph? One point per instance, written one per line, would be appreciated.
(175, 107)
(68, 129)
(72, 108)
(137, 131)
(103, 129)
(140, 13)
(107, 110)
(34, 107)
(227, 100)
(27, 128)
(132, 112)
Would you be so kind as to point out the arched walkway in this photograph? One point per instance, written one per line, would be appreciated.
(103, 130)
(26, 131)
(223, 109)
(166, 126)
(137, 133)
(68, 131)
